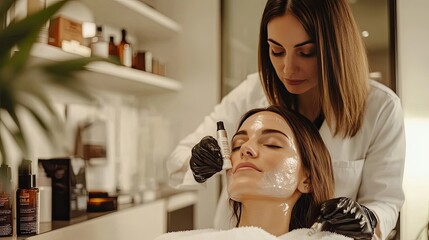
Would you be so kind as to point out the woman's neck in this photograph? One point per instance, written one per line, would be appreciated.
(309, 104)
(271, 215)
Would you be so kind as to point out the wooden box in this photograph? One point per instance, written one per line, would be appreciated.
(62, 28)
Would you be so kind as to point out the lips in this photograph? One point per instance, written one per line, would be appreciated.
(246, 165)
(294, 81)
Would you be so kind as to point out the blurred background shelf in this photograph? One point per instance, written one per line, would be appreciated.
(111, 77)
(147, 23)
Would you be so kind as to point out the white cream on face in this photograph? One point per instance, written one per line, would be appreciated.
(279, 177)
(260, 119)
(282, 181)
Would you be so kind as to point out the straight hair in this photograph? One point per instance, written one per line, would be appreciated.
(341, 58)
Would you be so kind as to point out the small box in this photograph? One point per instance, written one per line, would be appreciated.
(61, 29)
(69, 194)
(143, 61)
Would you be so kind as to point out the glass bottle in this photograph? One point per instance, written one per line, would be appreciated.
(124, 50)
(99, 47)
(27, 201)
(113, 49)
(6, 224)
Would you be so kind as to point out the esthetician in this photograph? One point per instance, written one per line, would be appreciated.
(312, 60)
(281, 175)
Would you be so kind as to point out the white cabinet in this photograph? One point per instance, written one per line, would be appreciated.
(142, 222)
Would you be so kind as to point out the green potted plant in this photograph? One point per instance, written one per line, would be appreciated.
(20, 90)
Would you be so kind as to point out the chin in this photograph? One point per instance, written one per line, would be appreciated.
(238, 190)
(296, 89)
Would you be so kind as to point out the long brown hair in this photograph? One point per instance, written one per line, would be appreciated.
(342, 61)
(316, 161)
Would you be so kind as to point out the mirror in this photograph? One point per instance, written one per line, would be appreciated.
(240, 33)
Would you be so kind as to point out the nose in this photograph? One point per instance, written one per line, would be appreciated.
(249, 150)
(289, 65)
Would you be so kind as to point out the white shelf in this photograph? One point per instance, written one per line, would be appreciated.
(111, 77)
(138, 18)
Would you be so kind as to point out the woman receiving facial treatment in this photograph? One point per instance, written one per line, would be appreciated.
(312, 59)
(281, 180)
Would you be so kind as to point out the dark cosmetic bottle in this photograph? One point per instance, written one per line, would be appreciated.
(6, 226)
(27, 201)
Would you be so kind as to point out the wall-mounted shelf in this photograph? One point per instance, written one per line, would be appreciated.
(137, 17)
(111, 77)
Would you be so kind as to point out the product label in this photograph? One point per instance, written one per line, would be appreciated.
(5, 215)
(4, 201)
(27, 203)
(128, 56)
(224, 150)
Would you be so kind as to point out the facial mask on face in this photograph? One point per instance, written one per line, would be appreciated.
(279, 175)
(259, 122)
(282, 181)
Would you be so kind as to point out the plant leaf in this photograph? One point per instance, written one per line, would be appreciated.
(24, 33)
(64, 68)
(17, 135)
(5, 5)
(2, 150)
(46, 129)
(37, 91)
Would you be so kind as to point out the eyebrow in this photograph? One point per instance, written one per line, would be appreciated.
(297, 45)
(264, 132)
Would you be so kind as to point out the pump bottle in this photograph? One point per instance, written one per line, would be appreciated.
(6, 226)
(27, 201)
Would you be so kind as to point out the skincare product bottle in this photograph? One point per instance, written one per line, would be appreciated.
(113, 49)
(6, 225)
(222, 140)
(99, 47)
(124, 50)
(44, 184)
(27, 201)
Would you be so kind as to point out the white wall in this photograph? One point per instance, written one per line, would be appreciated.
(193, 58)
(413, 86)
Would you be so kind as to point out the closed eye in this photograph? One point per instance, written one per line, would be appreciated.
(277, 54)
(235, 148)
(272, 146)
(307, 55)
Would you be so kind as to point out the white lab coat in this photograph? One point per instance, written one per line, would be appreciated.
(367, 167)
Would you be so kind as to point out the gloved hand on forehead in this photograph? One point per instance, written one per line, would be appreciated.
(206, 159)
(347, 217)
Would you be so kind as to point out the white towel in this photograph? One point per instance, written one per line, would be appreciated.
(302, 234)
(248, 233)
(244, 233)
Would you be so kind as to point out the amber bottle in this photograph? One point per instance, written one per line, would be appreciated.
(113, 49)
(27, 201)
(6, 225)
(125, 51)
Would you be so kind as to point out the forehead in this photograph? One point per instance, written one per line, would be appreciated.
(266, 119)
(286, 29)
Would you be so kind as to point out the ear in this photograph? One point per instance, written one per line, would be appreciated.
(304, 185)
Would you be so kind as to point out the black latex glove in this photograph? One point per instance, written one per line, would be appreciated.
(347, 217)
(206, 159)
